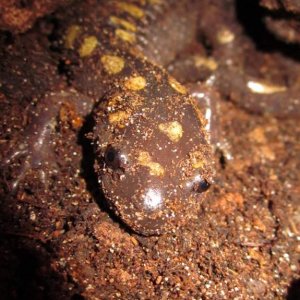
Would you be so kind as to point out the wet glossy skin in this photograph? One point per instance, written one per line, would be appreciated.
(153, 159)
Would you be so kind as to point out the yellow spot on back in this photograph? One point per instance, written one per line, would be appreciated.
(131, 9)
(112, 64)
(88, 46)
(144, 159)
(225, 36)
(177, 86)
(119, 118)
(173, 130)
(135, 83)
(125, 36)
(71, 35)
(121, 22)
(264, 87)
(197, 159)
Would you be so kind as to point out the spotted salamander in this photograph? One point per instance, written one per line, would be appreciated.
(153, 159)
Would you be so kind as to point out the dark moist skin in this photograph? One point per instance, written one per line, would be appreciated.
(263, 86)
(153, 159)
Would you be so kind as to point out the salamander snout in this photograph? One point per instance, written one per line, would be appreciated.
(151, 192)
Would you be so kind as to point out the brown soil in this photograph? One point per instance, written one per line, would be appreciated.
(60, 241)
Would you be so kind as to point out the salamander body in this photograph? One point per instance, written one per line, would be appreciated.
(152, 157)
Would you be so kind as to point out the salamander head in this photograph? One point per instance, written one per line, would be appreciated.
(153, 160)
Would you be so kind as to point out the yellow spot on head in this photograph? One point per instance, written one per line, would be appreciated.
(88, 46)
(173, 130)
(144, 159)
(225, 36)
(197, 159)
(119, 118)
(133, 10)
(177, 86)
(135, 83)
(121, 22)
(264, 88)
(112, 64)
(125, 36)
(71, 35)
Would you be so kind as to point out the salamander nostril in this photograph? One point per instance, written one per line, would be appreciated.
(201, 186)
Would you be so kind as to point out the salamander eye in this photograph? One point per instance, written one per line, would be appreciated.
(201, 186)
(112, 158)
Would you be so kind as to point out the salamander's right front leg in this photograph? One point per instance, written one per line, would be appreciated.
(34, 146)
